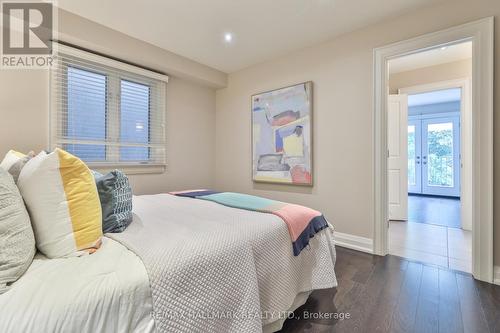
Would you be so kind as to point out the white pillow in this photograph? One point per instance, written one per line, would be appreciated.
(10, 159)
(14, 162)
(17, 244)
(62, 199)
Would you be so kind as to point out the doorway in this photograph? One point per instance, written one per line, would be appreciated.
(440, 146)
(431, 229)
(481, 191)
(435, 166)
(434, 151)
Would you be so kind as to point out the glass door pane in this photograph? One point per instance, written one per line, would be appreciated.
(414, 158)
(440, 156)
(411, 156)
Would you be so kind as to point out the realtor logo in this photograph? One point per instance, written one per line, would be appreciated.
(27, 34)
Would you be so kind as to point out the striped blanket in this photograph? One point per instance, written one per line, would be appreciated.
(302, 222)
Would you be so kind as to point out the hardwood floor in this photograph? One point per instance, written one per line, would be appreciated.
(391, 294)
(434, 210)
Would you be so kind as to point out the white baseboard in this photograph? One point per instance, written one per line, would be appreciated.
(354, 242)
(496, 275)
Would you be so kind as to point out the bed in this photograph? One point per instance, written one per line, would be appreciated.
(107, 291)
(183, 265)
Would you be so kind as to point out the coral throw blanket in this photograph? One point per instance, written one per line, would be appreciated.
(302, 222)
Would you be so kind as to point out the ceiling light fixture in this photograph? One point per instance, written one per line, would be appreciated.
(444, 48)
(228, 37)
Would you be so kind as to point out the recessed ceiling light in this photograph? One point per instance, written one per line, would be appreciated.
(228, 37)
(444, 47)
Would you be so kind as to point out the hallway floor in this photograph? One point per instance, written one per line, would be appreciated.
(434, 210)
(432, 244)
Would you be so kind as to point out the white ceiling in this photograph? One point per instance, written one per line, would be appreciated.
(431, 58)
(263, 29)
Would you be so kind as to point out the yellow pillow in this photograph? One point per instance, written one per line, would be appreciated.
(61, 196)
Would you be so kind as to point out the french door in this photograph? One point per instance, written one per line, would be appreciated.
(434, 155)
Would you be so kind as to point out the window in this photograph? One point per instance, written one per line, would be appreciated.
(86, 113)
(107, 112)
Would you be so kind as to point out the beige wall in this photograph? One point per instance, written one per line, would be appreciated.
(24, 110)
(341, 70)
(443, 72)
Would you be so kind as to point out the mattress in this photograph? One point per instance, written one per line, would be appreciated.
(107, 291)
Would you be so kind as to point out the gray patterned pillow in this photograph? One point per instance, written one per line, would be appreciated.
(17, 242)
(116, 201)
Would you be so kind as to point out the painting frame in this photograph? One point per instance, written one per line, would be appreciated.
(308, 86)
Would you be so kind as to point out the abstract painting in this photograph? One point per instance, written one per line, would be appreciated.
(282, 135)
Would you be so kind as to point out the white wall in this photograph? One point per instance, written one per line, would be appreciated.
(342, 72)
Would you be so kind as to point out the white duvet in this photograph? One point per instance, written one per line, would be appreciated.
(216, 269)
(198, 258)
(107, 291)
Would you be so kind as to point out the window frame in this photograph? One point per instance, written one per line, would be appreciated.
(125, 72)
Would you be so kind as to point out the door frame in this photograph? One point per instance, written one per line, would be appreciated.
(481, 34)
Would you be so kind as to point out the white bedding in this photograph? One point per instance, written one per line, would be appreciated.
(216, 269)
(107, 291)
(199, 255)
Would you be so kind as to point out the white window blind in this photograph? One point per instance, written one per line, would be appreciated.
(107, 112)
